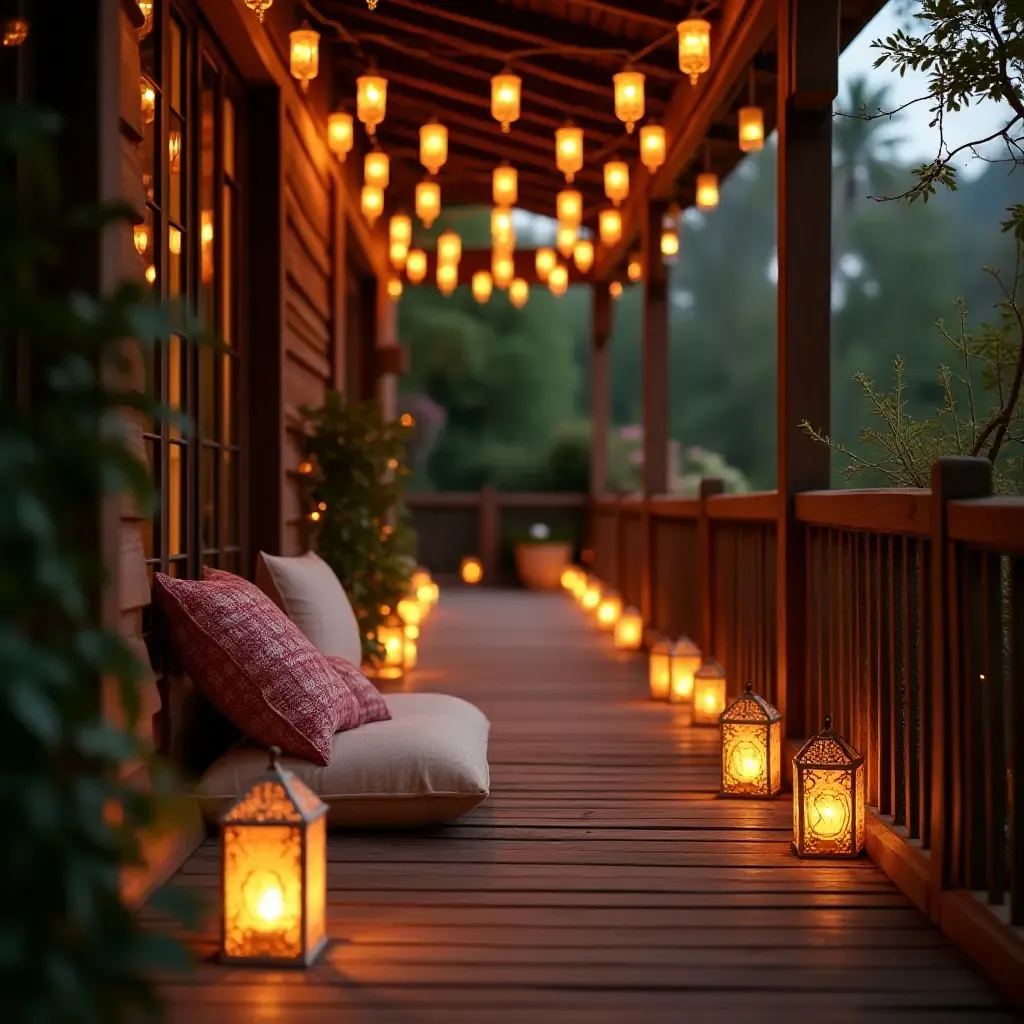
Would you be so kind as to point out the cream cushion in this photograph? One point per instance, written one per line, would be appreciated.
(307, 590)
(426, 766)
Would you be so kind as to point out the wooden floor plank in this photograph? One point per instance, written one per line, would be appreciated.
(603, 881)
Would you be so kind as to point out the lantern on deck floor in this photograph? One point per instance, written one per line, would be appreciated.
(609, 608)
(686, 661)
(828, 797)
(471, 570)
(659, 668)
(274, 872)
(391, 637)
(629, 630)
(708, 693)
(590, 596)
(412, 635)
(751, 747)
(411, 611)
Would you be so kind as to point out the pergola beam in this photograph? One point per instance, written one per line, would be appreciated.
(743, 28)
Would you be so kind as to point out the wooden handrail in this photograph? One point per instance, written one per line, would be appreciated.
(994, 523)
(665, 506)
(890, 512)
(511, 499)
(757, 506)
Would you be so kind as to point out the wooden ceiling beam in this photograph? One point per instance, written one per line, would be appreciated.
(630, 13)
(742, 29)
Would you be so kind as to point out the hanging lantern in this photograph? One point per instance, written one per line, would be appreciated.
(565, 239)
(141, 238)
(751, 747)
(394, 288)
(371, 101)
(274, 872)
(669, 242)
(694, 47)
(146, 6)
(751, 129)
(151, 274)
(503, 269)
(609, 223)
(569, 207)
(518, 292)
(502, 232)
(708, 693)
(569, 150)
(583, 254)
(629, 630)
(305, 54)
(428, 202)
(616, 180)
(544, 261)
(471, 570)
(15, 31)
(608, 610)
(147, 92)
(591, 596)
(433, 146)
(259, 6)
(635, 270)
(416, 266)
(340, 134)
(629, 97)
(707, 191)
(506, 89)
(653, 146)
(377, 169)
(659, 668)
(400, 229)
(447, 278)
(828, 797)
(505, 186)
(449, 248)
(686, 662)
(615, 290)
(391, 638)
(482, 286)
(371, 202)
(558, 279)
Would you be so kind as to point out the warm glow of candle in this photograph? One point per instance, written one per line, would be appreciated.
(506, 89)
(591, 596)
(449, 247)
(615, 290)
(616, 180)
(377, 169)
(518, 292)
(305, 55)
(629, 630)
(709, 686)
(608, 610)
(371, 202)
(472, 571)
(502, 231)
(447, 277)
(558, 279)
(610, 226)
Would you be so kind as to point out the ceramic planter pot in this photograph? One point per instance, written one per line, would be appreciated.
(540, 563)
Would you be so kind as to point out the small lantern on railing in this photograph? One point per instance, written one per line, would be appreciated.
(609, 609)
(590, 597)
(471, 570)
(391, 637)
(751, 747)
(686, 662)
(708, 693)
(569, 207)
(828, 797)
(629, 630)
(305, 54)
(659, 668)
(274, 872)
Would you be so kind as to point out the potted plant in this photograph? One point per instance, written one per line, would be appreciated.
(541, 557)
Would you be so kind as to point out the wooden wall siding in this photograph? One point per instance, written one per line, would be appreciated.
(632, 553)
(675, 596)
(307, 250)
(604, 542)
(743, 604)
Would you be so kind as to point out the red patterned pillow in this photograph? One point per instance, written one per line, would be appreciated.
(372, 703)
(349, 676)
(256, 666)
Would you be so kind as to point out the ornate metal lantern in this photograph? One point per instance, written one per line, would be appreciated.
(274, 872)
(751, 747)
(828, 797)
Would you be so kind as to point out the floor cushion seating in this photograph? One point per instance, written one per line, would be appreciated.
(425, 766)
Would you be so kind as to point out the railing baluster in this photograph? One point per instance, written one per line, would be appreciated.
(994, 726)
(883, 684)
(1015, 719)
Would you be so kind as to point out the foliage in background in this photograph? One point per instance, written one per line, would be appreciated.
(354, 513)
(70, 950)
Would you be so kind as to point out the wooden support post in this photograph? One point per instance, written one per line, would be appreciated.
(655, 355)
(488, 538)
(808, 48)
(709, 487)
(600, 330)
(952, 478)
(264, 407)
(339, 294)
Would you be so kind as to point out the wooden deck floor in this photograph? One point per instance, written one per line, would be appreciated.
(602, 881)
